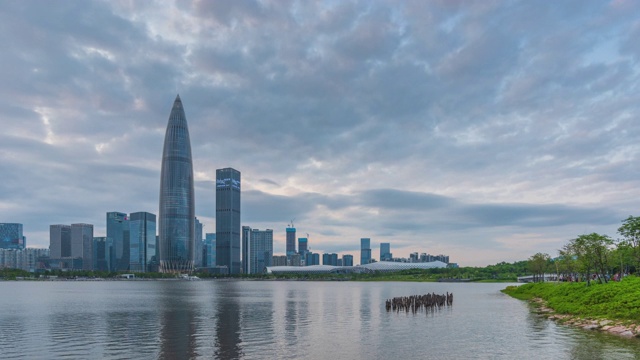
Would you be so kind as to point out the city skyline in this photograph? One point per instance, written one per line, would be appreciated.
(460, 128)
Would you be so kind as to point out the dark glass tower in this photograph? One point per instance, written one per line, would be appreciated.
(228, 219)
(176, 221)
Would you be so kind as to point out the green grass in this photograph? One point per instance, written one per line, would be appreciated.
(614, 300)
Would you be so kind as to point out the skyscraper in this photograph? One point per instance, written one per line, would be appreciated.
(59, 241)
(197, 261)
(176, 221)
(246, 238)
(257, 249)
(142, 241)
(101, 256)
(82, 244)
(303, 246)
(209, 253)
(347, 260)
(291, 240)
(11, 236)
(228, 219)
(365, 251)
(385, 252)
(117, 244)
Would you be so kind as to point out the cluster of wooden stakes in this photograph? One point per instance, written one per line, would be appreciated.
(415, 303)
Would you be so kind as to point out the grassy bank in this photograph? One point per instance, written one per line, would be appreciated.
(614, 300)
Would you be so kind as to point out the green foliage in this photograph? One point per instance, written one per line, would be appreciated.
(630, 232)
(613, 300)
(538, 265)
(12, 274)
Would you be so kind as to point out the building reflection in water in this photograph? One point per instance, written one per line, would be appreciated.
(227, 321)
(178, 326)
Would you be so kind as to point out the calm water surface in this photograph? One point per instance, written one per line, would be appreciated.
(280, 320)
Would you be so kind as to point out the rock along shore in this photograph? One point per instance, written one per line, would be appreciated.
(620, 328)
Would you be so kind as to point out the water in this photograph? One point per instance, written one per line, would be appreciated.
(280, 320)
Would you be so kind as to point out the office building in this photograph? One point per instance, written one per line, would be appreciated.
(176, 220)
(209, 251)
(228, 219)
(303, 246)
(291, 240)
(246, 237)
(257, 250)
(11, 236)
(82, 244)
(198, 243)
(142, 241)
(279, 260)
(101, 254)
(365, 251)
(385, 252)
(311, 259)
(347, 260)
(59, 241)
(330, 259)
(118, 240)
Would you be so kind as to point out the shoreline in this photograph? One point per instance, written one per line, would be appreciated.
(620, 328)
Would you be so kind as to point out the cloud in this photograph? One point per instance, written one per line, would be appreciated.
(438, 126)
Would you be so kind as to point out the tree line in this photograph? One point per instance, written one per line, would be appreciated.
(593, 257)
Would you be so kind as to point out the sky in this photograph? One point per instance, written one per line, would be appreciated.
(484, 130)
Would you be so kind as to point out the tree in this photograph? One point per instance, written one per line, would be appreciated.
(566, 263)
(538, 265)
(630, 231)
(593, 255)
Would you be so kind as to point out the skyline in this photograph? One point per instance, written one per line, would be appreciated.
(487, 131)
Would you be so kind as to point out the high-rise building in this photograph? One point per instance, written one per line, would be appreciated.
(291, 240)
(101, 254)
(279, 260)
(82, 244)
(142, 241)
(347, 260)
(303, 246)
(59, 241)
(176, 220)
(246, 238)
(385, 252)
(228, 219)
(257, 250)
(198, 243)
(311, 259)
(365, 251)
(11, 236)
(330, 259)
(209, 251)
(118, 240)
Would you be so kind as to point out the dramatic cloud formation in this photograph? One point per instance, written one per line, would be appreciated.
(485, 130)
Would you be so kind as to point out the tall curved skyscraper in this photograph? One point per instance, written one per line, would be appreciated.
(176, 222)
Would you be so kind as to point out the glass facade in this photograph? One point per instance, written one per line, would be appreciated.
(142, 241)
(82, 244)
(385, 252)
(11, 236)
(101, 253)
(209, 251)
(176, 221)
(291, 241)
(303, 246)
(60, 241)
(257, 250)
(118, 240)
(228, 219)
(365, 251)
